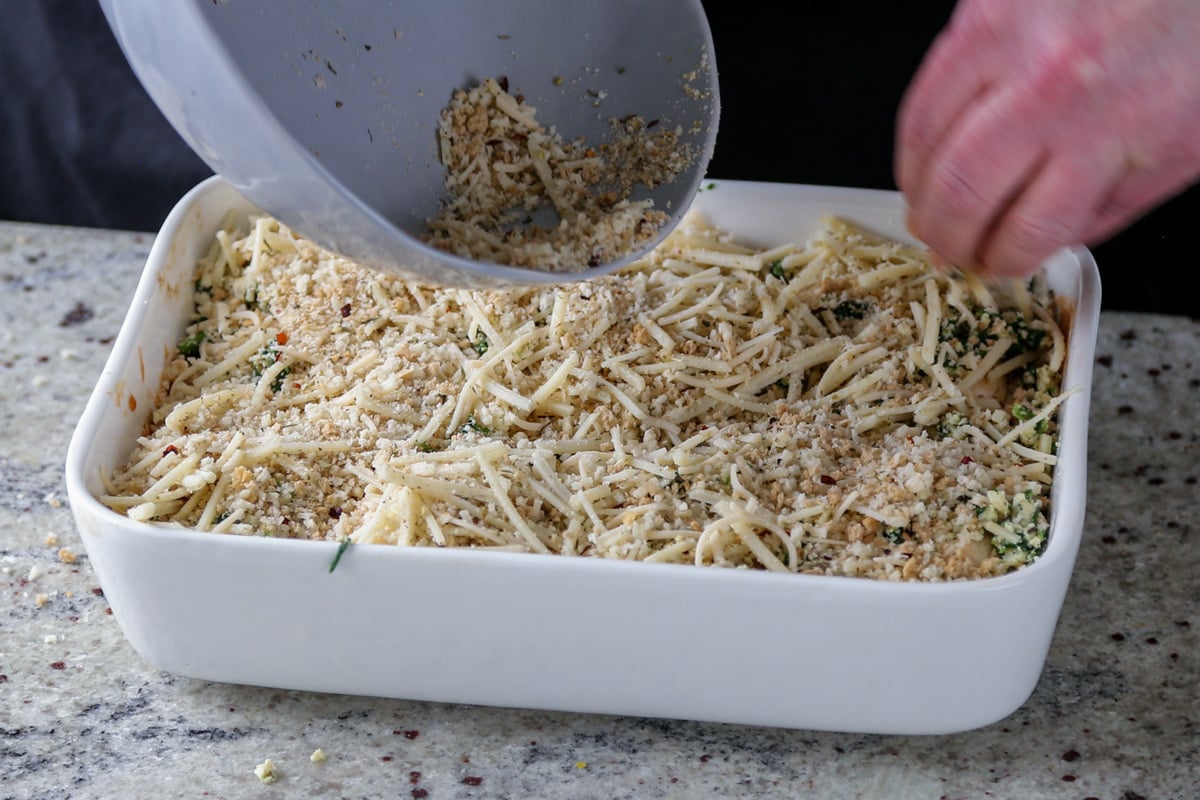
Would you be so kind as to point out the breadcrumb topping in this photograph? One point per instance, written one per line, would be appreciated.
(829, 406)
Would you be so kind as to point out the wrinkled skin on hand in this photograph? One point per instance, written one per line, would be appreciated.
(1036, 124)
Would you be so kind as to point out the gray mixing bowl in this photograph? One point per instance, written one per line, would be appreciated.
(324, 114)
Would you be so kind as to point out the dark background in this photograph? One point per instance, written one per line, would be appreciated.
(809, 95)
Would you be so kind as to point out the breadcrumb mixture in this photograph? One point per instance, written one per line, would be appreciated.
(503, 166)
(831, 406)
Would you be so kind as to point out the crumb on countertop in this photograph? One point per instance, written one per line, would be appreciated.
(266, 771)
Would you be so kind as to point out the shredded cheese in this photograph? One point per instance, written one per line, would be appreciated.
(830, 405)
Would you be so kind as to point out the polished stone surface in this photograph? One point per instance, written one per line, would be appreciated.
(1115, 716)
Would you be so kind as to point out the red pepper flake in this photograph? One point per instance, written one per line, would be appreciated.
(345, 310)
(1069, 778)
(411, 734)
(704, 758)
(3, 679)
(967, 460)
(1071, 755)
(1151, 640)
(58, 665)
(418, 793)
(828, 480)
(169, 449)
(1118, 637)
(281, 338)
(386, 758)
(335, 512)
(472, 780)
(98, 592)
(414, 776)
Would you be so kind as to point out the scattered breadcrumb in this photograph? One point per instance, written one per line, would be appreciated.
(266, 771)
(829, 406)
(66, 555)
(51, 538)
(41, 599)
(317, 756)
(503, 166)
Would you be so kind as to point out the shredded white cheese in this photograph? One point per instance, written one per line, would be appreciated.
(699, 407)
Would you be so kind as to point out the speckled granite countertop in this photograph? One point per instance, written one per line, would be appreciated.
(1116, 715)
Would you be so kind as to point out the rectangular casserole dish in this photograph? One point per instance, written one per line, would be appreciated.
(573, 634)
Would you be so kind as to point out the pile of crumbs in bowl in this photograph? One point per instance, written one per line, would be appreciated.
(503, 166)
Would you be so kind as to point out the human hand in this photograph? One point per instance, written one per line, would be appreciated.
(1037, 124)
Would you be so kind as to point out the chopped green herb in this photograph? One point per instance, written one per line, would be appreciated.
(426, 447)
(478, 426)
(481, 343)
(345, 543)
(851, 309)
(896, 535)
(776, 270)
(189, 346)
(262, 360)
(1018, 526)
(1022, 412)
(950, 424)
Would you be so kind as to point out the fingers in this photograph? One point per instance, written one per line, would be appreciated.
(972, 179)
(1055, 208)
(950, 79)
(1137, 191)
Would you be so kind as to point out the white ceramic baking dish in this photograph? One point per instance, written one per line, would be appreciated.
(575, 634)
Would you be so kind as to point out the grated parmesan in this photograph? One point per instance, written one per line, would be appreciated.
(832, 406)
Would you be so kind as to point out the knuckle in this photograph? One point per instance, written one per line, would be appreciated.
(954, 184)
(1066, 68)
(1030, 236)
